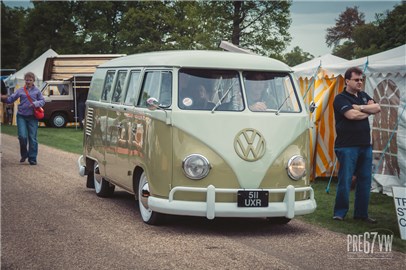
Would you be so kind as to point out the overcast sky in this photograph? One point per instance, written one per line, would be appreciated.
(310, 19)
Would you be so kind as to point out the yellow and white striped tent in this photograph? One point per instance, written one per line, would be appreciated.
(321, 79)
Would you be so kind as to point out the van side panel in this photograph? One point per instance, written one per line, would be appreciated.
(152, 149)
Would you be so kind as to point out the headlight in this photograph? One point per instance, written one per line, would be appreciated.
(196, 166)
(296, 167)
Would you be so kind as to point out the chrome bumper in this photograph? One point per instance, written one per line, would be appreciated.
(82, 168)
(210, 208)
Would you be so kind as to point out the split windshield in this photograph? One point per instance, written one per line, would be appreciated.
(222, 90)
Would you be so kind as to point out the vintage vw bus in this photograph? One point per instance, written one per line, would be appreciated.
(199, 133)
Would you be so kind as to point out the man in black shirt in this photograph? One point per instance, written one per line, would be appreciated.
(353, 145)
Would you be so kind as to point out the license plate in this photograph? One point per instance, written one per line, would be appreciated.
(252, 198)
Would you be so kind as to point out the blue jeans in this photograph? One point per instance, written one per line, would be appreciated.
(353, 161)
(27, 135)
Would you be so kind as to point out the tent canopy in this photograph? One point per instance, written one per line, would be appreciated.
(36, 66)
(387, 62)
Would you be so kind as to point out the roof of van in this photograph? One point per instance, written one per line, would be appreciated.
(199, 59)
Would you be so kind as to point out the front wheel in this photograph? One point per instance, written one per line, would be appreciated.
(58, 120)
(102, 187)
(148, 216)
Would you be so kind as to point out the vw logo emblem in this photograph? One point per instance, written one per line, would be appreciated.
(249, 144)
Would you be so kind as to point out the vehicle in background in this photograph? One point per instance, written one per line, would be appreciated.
(63, 100)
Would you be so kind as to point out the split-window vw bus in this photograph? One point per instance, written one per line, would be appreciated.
(199, 133)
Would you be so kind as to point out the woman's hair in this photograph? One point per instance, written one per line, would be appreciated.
(29, 75)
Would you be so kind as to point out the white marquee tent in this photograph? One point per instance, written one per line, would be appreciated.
(36, 66)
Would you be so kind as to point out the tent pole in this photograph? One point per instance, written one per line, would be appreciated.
(76, 110)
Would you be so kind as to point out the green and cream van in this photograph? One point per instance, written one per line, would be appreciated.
(199, 133)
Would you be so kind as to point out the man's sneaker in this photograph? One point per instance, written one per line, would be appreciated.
(367, 220)
(23, 159)
(338, 218)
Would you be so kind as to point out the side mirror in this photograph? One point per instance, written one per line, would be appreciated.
(312, 107)
(152, 104)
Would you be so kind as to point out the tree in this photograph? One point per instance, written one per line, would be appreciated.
(346, 50)
(12, 21)
(49, 25)
(98, 24)
(297, 56)
(394, 27)
(380, 35)
(261, 26)
(344, 27)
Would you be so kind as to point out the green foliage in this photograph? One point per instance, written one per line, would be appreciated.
(48, 25)
(344, 27)
(346, 50)
(261, 26)
(381, 207)
(394, 27)
(12, 22)
(97, 27)
(297, 56)
(362, 39)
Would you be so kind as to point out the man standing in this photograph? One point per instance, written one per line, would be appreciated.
(353, 146)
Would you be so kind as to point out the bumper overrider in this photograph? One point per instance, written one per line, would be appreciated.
(210, 208)
(81, 166)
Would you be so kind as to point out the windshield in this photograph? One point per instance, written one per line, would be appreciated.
(267, 91)
(221, 90)
(201, 89)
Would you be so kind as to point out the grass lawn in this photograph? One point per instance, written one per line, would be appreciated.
(67, 139)
(381, 206)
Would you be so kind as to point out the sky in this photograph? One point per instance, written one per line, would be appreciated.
(311, 18)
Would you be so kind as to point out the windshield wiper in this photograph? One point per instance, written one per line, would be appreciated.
(222, 98)
(283, 103)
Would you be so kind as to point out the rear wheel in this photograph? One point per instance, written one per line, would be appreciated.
(58, 120)
(148, 216)
(102, 187)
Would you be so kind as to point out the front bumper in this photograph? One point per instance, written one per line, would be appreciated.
(81, 167)
(210, 208)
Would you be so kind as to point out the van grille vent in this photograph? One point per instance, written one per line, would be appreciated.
(89, 121)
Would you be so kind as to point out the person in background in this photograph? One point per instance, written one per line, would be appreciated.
(201, 101)
(81, 99)
(257, 95)
(27, 124)
(353, 147)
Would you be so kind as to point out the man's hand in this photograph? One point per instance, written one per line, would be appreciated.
(258, 106)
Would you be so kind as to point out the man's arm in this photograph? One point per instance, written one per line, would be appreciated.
(370, 108)
(354, 114)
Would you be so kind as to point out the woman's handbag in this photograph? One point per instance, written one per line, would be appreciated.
(38, 112)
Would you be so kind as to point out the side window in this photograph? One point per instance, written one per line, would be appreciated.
(108, 82)
(118, 90)
(54, 90)
(63, 89)
(132, 93)
(157, 84)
